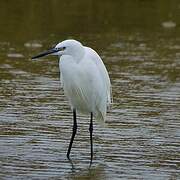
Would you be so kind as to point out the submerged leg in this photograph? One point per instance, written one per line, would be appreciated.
(91, 131)
(73, 133)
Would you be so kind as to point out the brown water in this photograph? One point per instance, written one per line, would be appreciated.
(139, 42)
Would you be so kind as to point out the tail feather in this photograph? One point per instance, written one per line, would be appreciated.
(101, 115)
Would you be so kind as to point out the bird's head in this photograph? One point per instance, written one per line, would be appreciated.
(68, 47)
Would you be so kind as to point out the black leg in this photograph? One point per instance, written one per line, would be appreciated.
(73, 133)
(91, 131)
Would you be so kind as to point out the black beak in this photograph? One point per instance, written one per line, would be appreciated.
(50, 51)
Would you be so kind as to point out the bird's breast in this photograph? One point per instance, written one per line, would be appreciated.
(82, 84)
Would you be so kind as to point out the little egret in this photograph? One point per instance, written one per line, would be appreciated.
(85, 81)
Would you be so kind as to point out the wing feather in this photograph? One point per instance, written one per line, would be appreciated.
(104, 74)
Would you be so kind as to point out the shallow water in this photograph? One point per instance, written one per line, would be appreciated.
(141, 139)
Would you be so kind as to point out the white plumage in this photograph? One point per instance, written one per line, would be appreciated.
(84, 79)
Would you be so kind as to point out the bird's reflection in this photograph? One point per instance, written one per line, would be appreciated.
(89, 173)
(72, 165)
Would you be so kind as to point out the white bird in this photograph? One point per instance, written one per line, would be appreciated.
(85, 81)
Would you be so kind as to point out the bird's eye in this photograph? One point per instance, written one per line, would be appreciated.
(60, 48)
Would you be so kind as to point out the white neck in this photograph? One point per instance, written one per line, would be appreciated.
(78, 53)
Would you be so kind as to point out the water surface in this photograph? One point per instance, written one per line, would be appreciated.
(139, 43)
